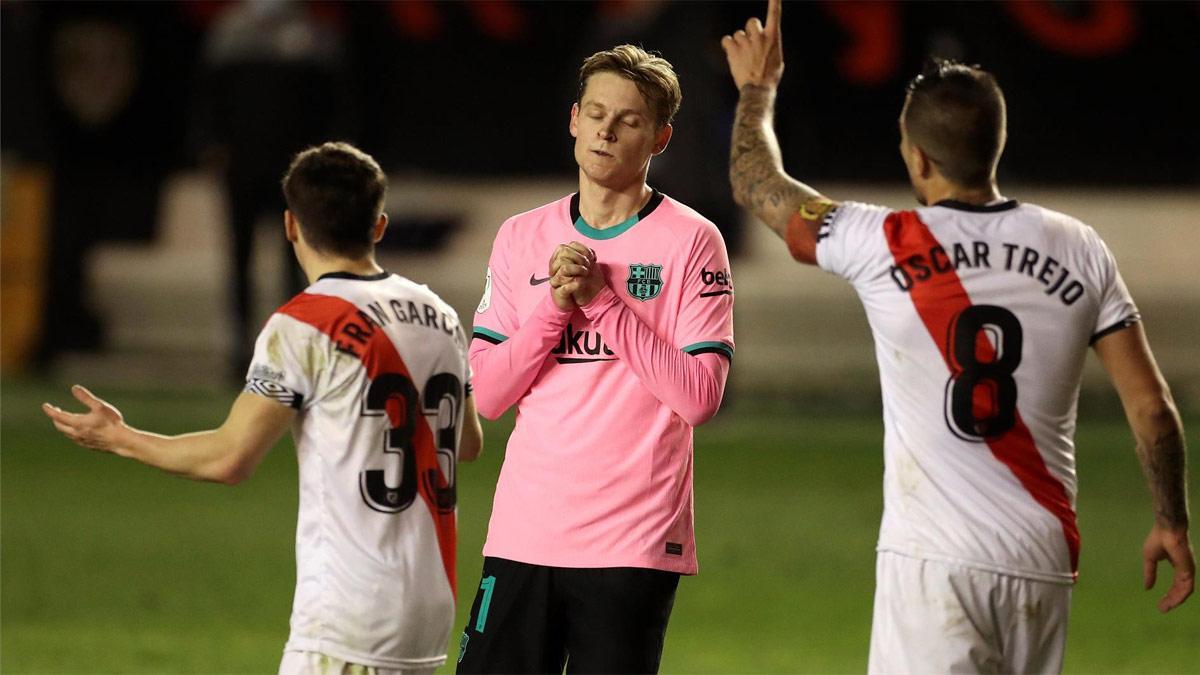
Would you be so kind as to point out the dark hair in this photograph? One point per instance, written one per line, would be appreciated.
(955, 113)
(336, 191)
(652, 74)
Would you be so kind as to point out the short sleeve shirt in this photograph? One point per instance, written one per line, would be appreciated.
(377, 368)
(982, 317)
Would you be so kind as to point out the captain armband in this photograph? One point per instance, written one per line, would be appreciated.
(275, 391)
(815, 210)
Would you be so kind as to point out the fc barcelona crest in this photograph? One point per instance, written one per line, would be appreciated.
(645, 281)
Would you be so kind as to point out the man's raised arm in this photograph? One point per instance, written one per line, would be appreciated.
(790, 208)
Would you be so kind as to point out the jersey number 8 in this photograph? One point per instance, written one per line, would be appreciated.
(984, 344)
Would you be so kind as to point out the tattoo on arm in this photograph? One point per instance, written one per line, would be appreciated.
(1164, 463)
(756, 165)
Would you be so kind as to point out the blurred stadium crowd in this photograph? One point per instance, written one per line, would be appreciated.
(104, 102)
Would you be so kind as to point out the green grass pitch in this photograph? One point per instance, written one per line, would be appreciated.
(108, 566)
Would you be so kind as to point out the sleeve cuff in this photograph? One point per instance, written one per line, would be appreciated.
(600, 304)
(1120, 325)
(551, 313)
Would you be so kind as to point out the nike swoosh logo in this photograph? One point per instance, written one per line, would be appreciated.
(534, 281)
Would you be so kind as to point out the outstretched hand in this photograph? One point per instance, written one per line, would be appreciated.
(1171, 545)
(96, 429)
(755, 54)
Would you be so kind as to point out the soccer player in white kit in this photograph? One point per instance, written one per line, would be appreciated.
(370, 371)
(982, 310)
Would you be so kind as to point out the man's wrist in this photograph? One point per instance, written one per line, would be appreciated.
(558, 311)
(122, 440)
(758, 90)
(1173, 524)
(599, 303)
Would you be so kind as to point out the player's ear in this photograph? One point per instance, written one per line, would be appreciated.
(922, 165)
(291, 227)
(574, 125)
(380, 228)
(662, 138)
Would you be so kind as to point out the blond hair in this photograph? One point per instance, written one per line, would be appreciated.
(652, 74)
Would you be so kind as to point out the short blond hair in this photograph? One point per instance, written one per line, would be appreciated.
(653, 75)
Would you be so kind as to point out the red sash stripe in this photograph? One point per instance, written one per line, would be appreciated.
(329, 315)
(938, 301)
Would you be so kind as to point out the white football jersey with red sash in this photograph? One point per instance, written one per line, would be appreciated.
(982, 318)
(377, 368)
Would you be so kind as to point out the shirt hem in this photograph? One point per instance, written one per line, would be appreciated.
(1061, 578)
(1128, 321)
(684, 566)
(350, 656)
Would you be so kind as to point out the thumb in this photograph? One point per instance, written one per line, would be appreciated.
(1149, 572)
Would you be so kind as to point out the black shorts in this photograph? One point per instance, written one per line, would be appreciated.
(535, 619)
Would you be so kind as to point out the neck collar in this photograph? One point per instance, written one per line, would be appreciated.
(590, 232)
(378, 276)
(1002, 205)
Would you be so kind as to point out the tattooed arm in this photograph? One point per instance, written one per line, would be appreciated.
(1158, 434)
(790, 208)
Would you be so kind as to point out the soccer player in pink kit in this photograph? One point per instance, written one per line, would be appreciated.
(982, 310)
(612, 353)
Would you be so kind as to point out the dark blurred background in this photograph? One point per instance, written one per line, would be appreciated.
(104, 102)
(473, 87)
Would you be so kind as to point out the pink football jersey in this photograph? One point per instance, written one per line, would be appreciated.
(982, 318)
(598, 471)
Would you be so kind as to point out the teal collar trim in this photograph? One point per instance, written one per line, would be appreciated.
(608, 232)
(590, 232)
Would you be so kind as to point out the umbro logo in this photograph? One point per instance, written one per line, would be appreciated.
(534, 281)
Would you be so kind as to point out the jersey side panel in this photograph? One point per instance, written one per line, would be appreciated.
(704, 315)
(496, 317)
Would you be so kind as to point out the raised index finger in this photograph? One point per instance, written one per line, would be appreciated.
(774, 10)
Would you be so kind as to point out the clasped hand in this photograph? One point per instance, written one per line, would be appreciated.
(575, 276)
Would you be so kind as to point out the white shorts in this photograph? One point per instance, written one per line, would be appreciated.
(936, 617)
(314, 663)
